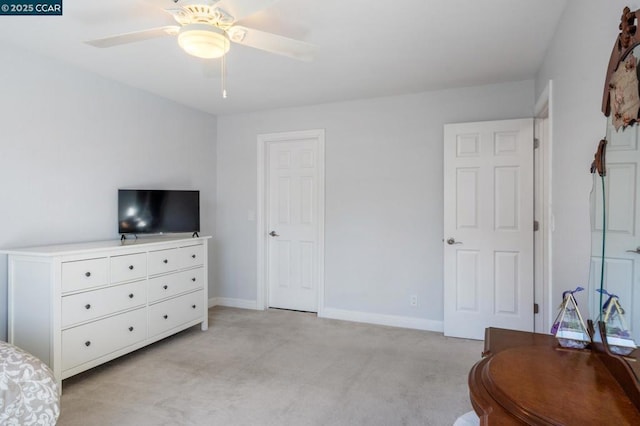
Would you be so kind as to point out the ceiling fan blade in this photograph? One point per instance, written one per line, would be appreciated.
(273, 43)
(241, 8)
(134, 36)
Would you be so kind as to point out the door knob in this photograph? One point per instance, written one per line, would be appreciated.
(273, 234)
(452, 241)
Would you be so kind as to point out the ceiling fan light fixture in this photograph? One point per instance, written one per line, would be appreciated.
(203, 40)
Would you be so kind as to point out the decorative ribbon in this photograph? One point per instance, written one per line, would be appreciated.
(606, 293)
(564, 293)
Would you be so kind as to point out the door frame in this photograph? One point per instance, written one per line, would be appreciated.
(543, 266)
(263, 140)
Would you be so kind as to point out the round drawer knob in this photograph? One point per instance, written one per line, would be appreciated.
(165, 261)
(193, 306)
(87, 274)
(130, 295)
(193, 279)
(130, 328)
(166, 316)
(193, 256)
(131, 267)
(87, 306)
(87, 343)
(165, 286)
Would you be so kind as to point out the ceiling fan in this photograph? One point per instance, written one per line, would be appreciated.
(206, 28)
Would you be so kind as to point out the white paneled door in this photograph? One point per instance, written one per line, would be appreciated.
(488, 227)
(293, 223)
(622, 255)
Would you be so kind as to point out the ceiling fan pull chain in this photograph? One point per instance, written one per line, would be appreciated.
(224, 76)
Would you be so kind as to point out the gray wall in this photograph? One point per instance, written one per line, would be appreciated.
(577, 61)
(384, 194)
(69, 139)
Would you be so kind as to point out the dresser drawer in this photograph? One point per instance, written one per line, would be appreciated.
(162, 261)
(128, 267)
(170, 285)
(191, 256)
(90, 341)
(83, 274)
(89, 305)
(171, 313)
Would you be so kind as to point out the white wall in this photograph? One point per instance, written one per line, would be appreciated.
(69, 139)
(577, 62)
(384, 195)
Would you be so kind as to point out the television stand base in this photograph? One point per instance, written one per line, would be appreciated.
(195, 235)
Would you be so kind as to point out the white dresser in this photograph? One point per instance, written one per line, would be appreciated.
(76, 306)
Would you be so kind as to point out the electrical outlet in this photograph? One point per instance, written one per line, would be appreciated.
(413, 300)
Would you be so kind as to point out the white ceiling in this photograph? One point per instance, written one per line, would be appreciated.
(364, 48)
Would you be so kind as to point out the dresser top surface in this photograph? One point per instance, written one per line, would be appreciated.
(74, 248)
(526, 378)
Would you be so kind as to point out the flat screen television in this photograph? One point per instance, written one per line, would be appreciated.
(152, 211)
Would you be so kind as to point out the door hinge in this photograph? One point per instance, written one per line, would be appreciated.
(536, 143)
(536, 308)
(536, 225)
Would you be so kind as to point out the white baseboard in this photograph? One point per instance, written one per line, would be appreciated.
(233, 303)
(382, 319)
(345, 315)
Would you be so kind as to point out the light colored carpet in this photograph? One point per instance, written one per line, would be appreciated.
(279, 368)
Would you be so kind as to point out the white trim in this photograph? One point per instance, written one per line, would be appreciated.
(233, 303)
(262, 264)
(544, 109)
(383, 319)
(542, 103)
(260, 229)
